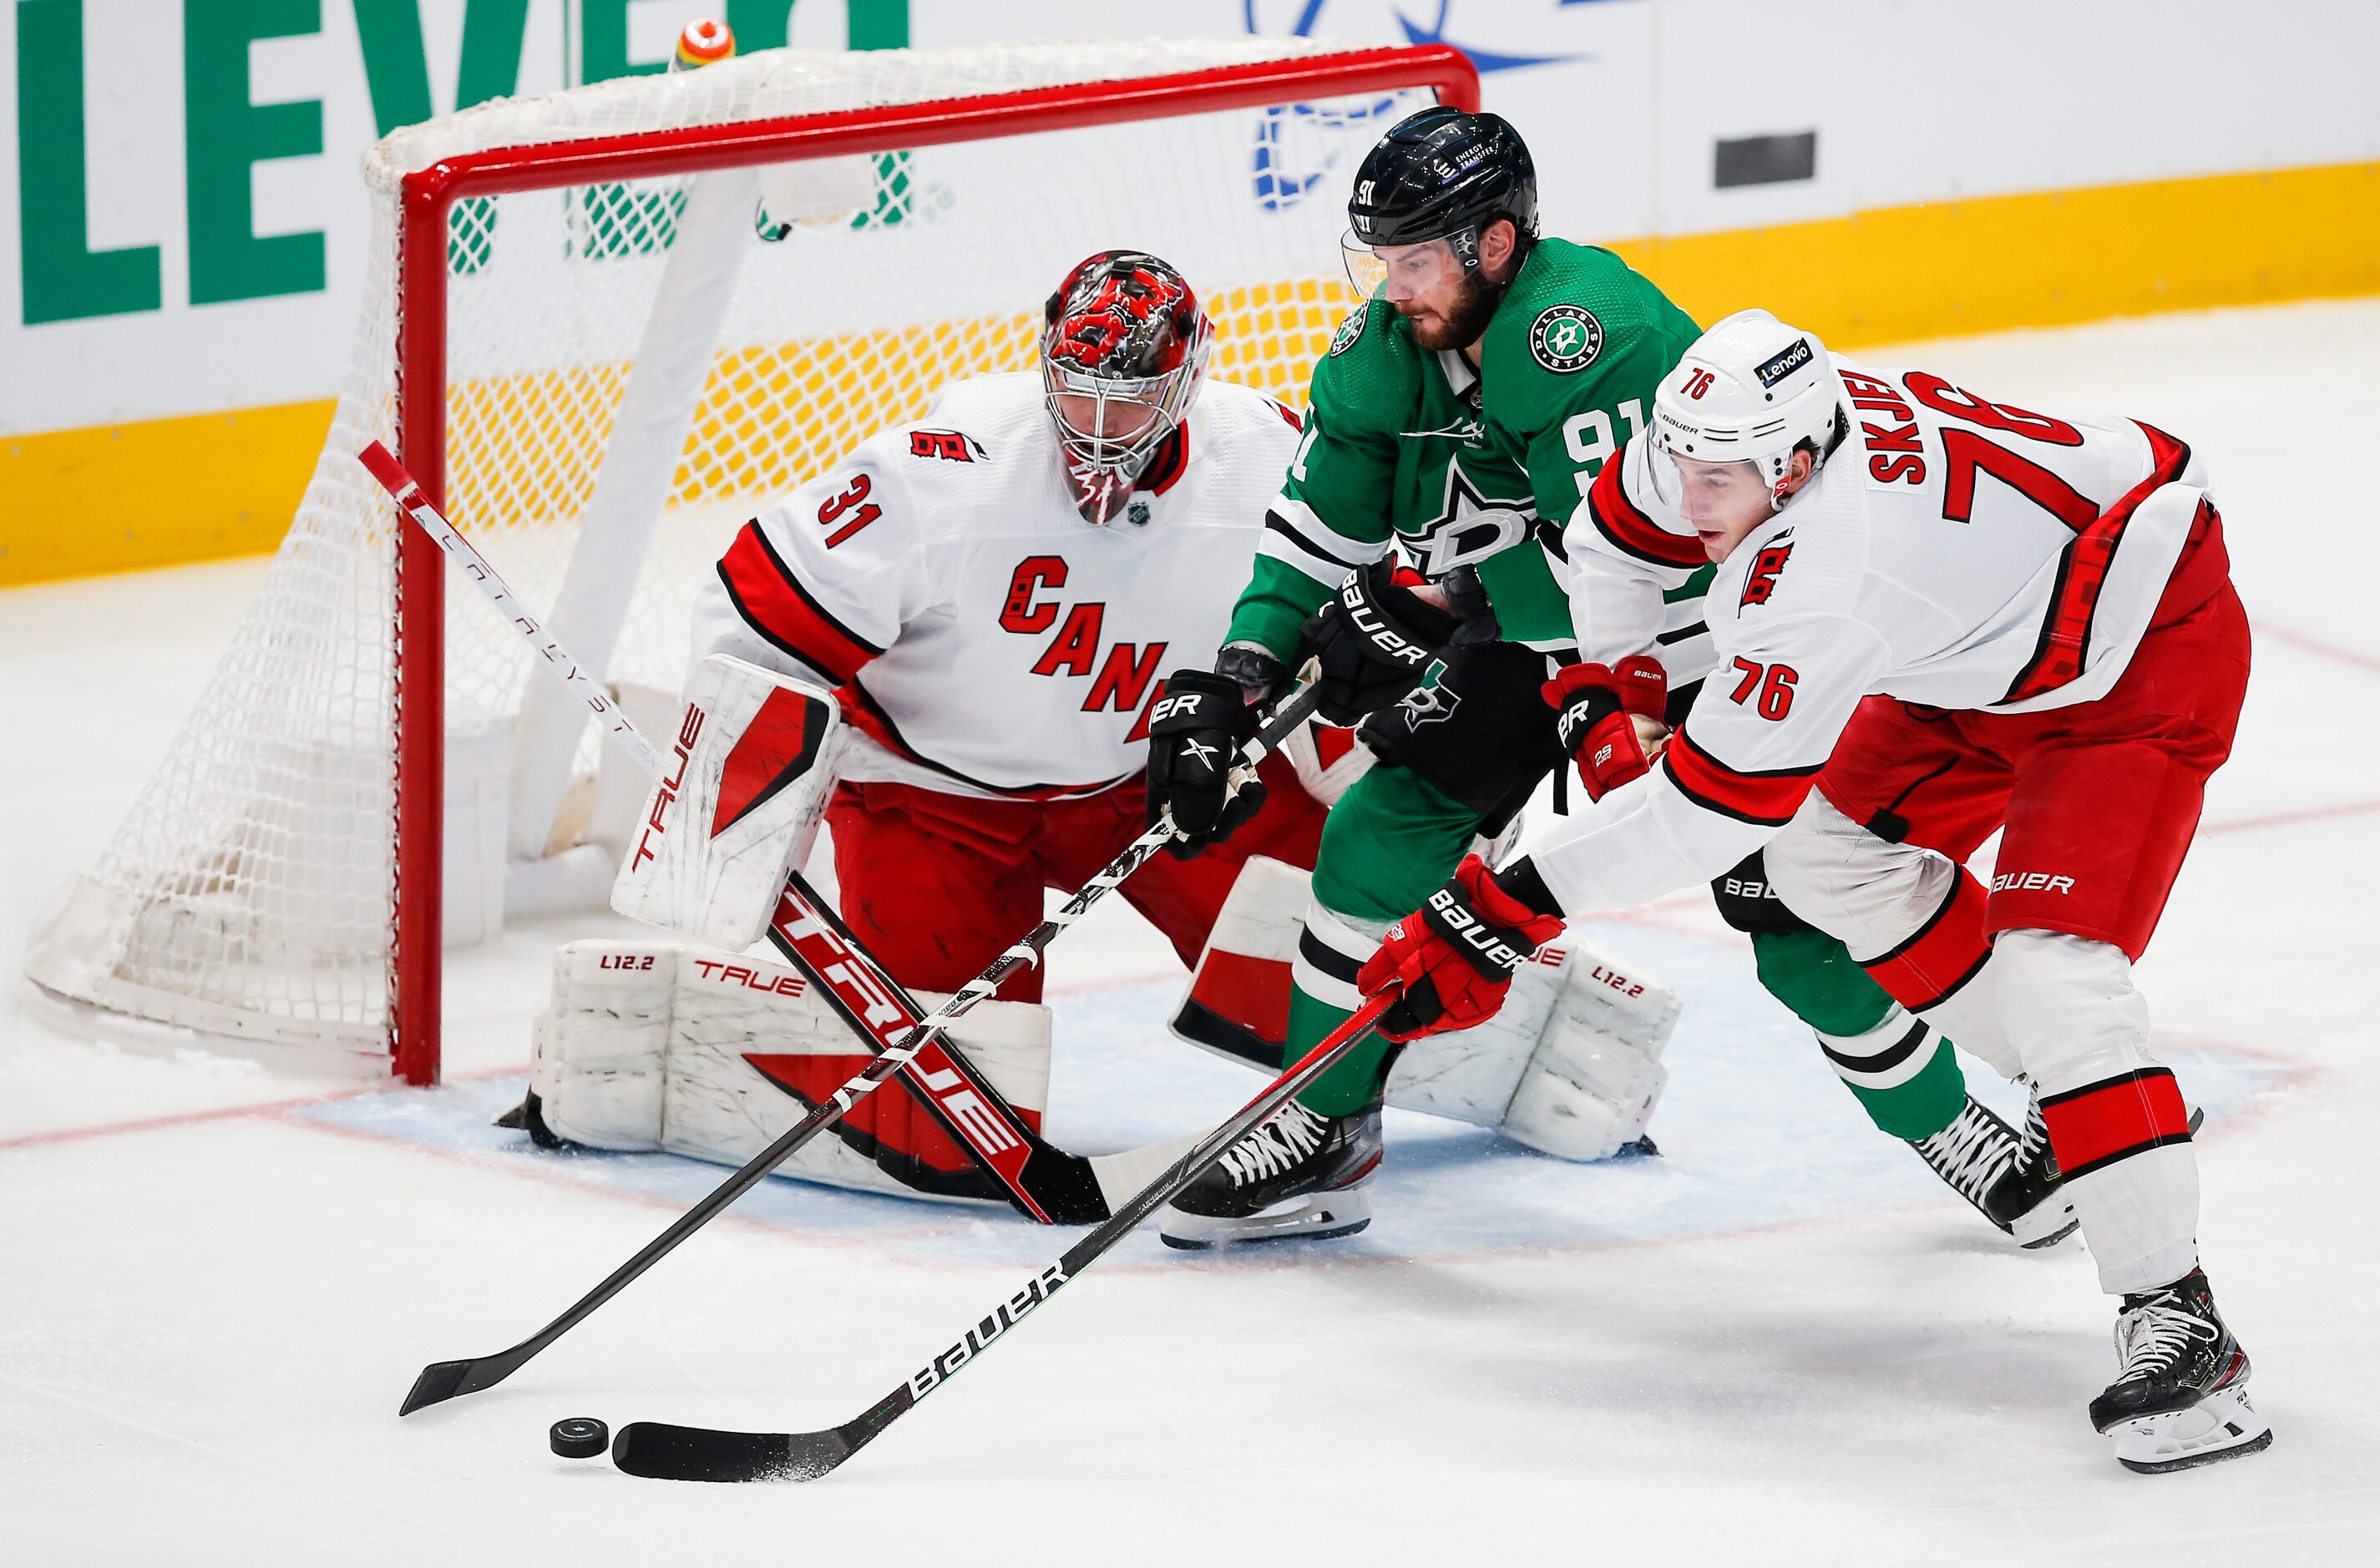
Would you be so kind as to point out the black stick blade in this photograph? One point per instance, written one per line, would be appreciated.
(442, 1381)
(663, 1452)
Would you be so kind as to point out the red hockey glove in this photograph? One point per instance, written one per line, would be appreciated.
(1593, 705)
(1455, 955)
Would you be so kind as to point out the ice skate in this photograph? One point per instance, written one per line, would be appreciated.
(1298, 1176)
(2013, 1181)
(2029, 1200)
(2180, 1398)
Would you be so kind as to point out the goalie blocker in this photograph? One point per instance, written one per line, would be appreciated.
(737, 805)
(1571, 1066)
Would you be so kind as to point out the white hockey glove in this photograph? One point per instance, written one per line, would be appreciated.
(737, 808)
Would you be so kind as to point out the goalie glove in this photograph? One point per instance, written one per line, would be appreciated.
(1373, 641)
(1596, 708)
(1455, 955)
(1195, 731)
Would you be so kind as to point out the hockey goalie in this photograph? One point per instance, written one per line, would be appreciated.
(970, 613)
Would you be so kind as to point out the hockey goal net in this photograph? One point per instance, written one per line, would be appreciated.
(601, 327)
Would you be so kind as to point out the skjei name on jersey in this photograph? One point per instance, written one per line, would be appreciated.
(985, 639)
(1951, 551)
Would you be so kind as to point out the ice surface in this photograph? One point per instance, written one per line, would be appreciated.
(1774, 1343)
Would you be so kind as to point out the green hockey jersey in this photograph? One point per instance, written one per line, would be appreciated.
(1480, 469)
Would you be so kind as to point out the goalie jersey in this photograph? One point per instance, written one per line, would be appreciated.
(1950, 552)
(985, 639)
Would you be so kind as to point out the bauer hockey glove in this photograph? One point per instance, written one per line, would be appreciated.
(1454, 956)
(1594, 709)
(1373, 640)
(1195, 731)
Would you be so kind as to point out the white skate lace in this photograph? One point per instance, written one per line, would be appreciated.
(1970, 1153)
(2033, 1136)
(1291, 1135)
(2153, 1336)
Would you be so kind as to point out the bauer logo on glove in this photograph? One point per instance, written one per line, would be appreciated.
(1594, 709)
(1454, 956)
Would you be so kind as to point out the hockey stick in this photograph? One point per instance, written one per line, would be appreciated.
(1054, 1188)
(807, 934)
(701, 1453)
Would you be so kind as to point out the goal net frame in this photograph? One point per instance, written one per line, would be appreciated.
(427, 199)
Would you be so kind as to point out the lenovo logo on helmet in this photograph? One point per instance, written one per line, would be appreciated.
(1785, 364)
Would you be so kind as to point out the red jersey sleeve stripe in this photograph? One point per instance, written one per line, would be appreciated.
(773, 603)
(2094, 1126)
(1621, 522)
(1766, 799)
(2066, 630)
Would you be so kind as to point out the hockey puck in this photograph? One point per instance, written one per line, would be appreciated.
(579, 1437)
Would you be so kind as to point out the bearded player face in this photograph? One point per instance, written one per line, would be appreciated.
(1445, 302)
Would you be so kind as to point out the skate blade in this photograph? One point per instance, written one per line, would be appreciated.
(2222, 1425)
(1318, 1217)
(2049, 1224)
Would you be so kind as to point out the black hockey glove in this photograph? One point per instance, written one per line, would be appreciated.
(1374, 640)
(1195, 731)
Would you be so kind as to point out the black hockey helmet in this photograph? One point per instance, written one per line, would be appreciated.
(1445, 173)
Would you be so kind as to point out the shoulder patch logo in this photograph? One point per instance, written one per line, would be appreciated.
(952, 446)
(1565, 338)
(1762, 581)
(1350, 330)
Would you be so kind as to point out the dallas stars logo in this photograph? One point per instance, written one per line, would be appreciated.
(1428, 705)
(1470, 526)
(1349, 331)
(1565, 338)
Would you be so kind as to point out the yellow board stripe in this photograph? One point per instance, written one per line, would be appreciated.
(153, 492)
(2051, 258)
(161, 493)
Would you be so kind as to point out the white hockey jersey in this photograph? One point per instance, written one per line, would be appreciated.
(1950, 552)
(986, 640)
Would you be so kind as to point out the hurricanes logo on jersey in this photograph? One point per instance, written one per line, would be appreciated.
(1565, 338)
(1765, 568)
(1349, 331)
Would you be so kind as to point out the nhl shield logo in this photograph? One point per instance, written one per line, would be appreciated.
(1349, 330)
(1565, 338)
(1427, 705)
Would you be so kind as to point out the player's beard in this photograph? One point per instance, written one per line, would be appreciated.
(1463, 323)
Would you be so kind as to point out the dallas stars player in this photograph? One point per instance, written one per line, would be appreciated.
(1463, 413)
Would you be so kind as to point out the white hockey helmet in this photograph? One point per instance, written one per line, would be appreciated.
(1751, 389)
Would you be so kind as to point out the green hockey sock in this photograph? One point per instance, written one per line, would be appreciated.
(1389, 844)
(1901, 1072)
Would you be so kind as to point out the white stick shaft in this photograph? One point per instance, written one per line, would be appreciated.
(475, 566)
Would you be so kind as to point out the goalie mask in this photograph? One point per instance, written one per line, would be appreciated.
(1123, 351)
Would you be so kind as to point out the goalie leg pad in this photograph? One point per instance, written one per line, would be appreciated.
(1571, 1066)
(656, 1046)
(737, 807)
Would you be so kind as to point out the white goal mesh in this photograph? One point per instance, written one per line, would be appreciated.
(632, 367)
